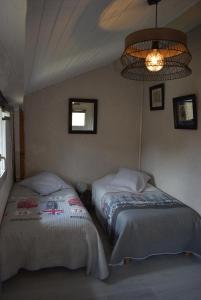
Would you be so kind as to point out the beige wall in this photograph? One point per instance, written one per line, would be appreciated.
(173, 156)
(82, 157)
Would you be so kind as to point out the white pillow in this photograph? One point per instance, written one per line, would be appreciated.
(44, 183)
(134, 181)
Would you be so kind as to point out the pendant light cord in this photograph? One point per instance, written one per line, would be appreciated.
(141, 106)
(156, 23)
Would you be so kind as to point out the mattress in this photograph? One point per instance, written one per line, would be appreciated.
(141, 232)
(49, 231)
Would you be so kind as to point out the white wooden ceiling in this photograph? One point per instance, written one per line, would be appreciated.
(64, 38)
(12, 41)
(69, 37)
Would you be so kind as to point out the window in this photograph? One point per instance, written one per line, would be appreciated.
(2, 143)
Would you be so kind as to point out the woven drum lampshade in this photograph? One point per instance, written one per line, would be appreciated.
(156, 54)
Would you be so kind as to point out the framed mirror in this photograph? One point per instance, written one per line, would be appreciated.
(82, 116)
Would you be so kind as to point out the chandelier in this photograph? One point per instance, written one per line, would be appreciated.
(156, 54)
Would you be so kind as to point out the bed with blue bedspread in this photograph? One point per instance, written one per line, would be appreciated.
(145, 224)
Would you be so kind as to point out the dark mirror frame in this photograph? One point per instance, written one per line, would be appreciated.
(70, 129)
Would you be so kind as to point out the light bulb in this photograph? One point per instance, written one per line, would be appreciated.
(154, 61)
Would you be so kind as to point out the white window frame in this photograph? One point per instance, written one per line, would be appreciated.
(2, 144)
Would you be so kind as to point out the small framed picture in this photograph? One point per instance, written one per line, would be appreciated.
(156, 95)
(185, 112)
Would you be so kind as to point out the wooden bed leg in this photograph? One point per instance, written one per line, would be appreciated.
(187, 253)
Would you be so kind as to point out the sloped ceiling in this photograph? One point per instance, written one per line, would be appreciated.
(12, 41)
(49, 41)
(70, 37)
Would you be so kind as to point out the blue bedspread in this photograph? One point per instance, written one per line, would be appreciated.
(150, 223)
(116, 202)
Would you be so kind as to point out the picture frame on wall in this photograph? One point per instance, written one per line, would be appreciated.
(185, 112)
(156, 96)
